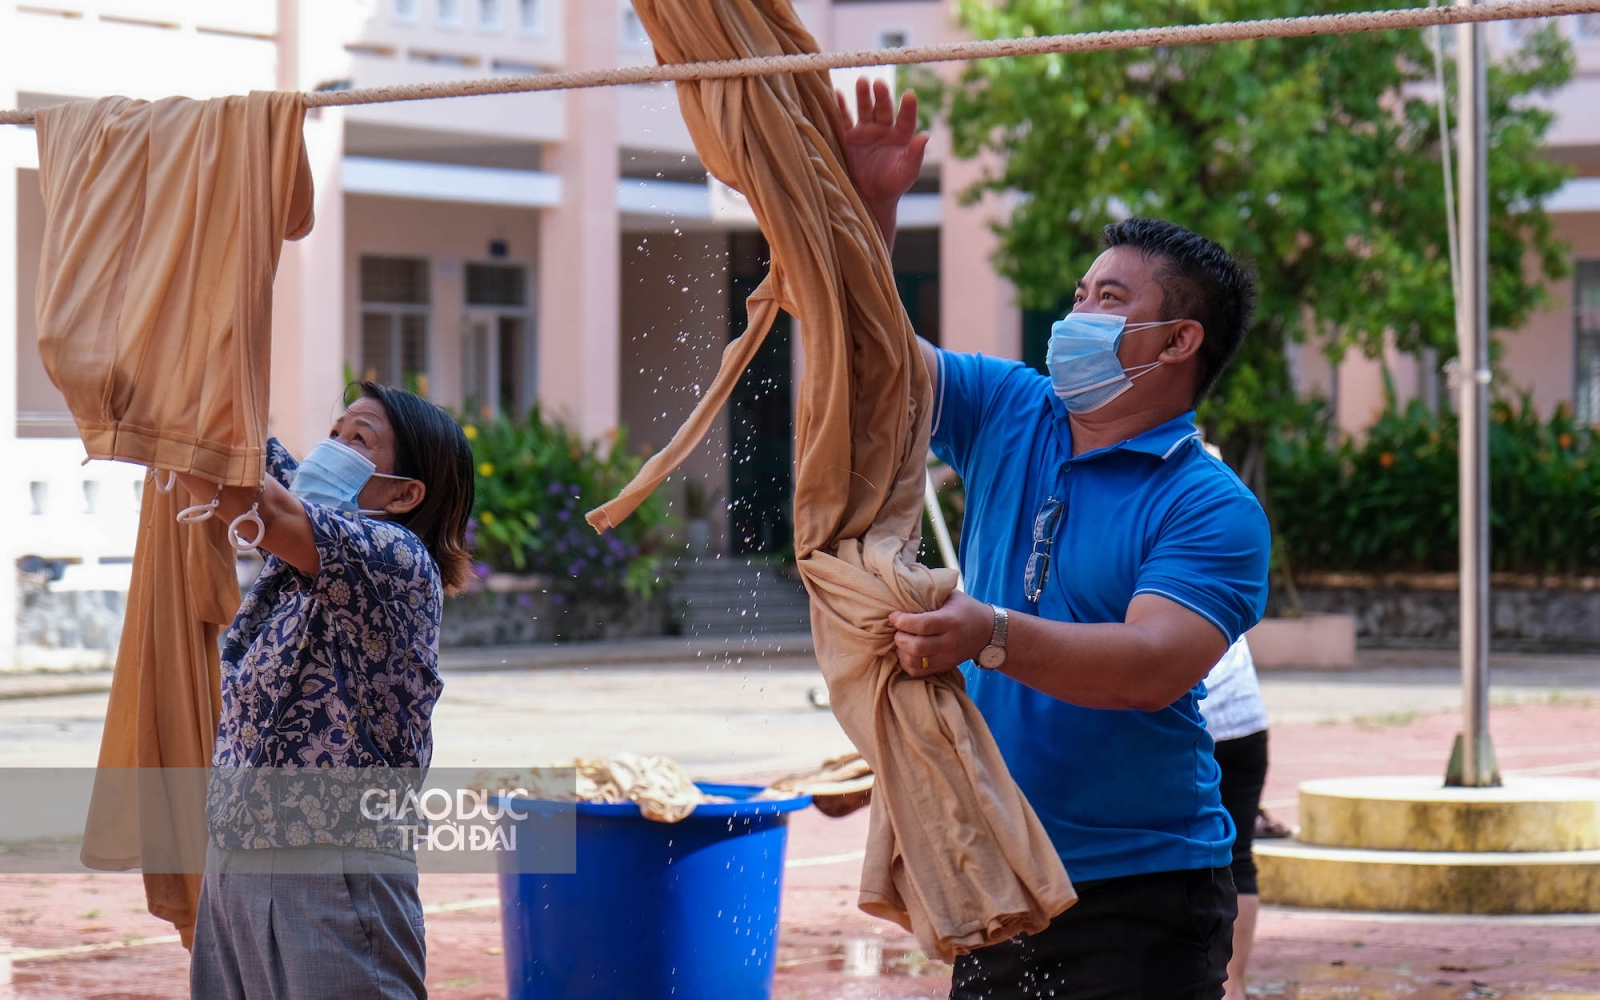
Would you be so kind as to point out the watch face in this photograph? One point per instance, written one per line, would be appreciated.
(991, 658)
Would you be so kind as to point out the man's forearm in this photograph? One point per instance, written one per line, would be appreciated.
(1116, 666)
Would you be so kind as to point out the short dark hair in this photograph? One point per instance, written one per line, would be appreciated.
(430, 446)
(1200, 281)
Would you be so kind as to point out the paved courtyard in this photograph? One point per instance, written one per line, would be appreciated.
(751, 719)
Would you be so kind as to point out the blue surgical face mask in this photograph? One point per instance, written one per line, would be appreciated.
(333, 474)
(1083, 363)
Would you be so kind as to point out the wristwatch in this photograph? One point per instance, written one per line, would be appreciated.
(993, 656)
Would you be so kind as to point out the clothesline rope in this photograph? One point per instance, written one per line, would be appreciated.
(1094, 41)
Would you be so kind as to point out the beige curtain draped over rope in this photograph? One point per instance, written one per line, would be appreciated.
(163, 227)
(955, 853)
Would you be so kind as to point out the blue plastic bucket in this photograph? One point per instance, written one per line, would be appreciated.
(682, 910)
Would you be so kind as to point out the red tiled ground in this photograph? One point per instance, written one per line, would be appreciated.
(1297, 955)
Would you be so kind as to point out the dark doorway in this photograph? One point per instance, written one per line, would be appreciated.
(760, 417)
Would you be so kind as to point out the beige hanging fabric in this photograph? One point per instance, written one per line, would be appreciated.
(163, 225)
(954, 852)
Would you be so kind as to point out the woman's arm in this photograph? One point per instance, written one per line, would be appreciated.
(288, 528)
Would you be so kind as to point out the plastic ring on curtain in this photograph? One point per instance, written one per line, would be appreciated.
(251, 516)
(172, 480)
(200, 512)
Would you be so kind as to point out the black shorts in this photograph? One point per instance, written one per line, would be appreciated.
(1166, 936)
(1244, 771)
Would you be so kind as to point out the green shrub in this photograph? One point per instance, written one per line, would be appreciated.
(536, 478)
(1388, 502)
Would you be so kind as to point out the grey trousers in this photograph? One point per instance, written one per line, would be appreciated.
(308, 924)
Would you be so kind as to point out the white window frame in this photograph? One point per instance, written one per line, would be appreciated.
(534, 26)
(458, 21)
(400, 16)
(498, 24)
(477, 355)
(394, 312)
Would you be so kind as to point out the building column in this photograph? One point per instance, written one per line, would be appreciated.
(580, 270)
(12, 142)
(977, 313)
(308, 302)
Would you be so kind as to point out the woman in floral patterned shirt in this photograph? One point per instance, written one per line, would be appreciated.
(329, 678)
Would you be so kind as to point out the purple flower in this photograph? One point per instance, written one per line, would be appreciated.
(472, 533)
(557, 600)
(591, 552)
(565, 515)
(482, 570)
(524, 601)
(556, 489)
(576, 568)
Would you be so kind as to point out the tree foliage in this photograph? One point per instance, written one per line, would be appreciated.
(1316, 158)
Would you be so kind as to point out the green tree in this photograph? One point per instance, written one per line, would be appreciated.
(1316, 158)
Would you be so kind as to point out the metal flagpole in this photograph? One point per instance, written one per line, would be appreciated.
(1472, 763)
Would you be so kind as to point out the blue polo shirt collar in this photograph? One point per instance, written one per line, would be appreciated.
(1161, 441)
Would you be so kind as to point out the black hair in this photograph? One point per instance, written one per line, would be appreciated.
(1200, 281)
(429, 446)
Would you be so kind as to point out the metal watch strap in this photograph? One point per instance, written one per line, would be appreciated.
(1002, 626)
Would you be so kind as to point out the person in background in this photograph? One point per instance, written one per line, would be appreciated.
(329, 679)
(1236, 717)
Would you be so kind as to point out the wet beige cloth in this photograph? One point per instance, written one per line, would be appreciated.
(163, 226)
(148, 808)
(657, 785)
(954, 853)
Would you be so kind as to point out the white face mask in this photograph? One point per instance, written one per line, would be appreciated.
(1082, 359)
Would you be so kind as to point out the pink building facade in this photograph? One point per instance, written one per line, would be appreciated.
(565, 249)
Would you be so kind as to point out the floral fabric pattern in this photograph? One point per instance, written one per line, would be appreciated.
(324, 679)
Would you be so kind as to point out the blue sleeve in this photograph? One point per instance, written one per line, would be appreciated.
(970, 390)
(280, 464)
(375, 574)
(1212, 557)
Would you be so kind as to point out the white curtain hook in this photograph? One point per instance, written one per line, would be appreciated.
(172, 480)
(251, 516)
(200, 512)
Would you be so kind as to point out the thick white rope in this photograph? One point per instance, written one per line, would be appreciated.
(1095, 41)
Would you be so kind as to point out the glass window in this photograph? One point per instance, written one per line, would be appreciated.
(394, 322)
(894, 38)
(1587, 26)
(489, 18)
(633, 34)
(530, 17)
(488, 285)
(450, 13)
(405, 11)
(499, 361)
(394, 279)
(1586, 327)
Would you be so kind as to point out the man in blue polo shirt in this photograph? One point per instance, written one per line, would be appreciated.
(1109, 563)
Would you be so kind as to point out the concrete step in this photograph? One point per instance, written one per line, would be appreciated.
(739, 597)
(1342, 878)
(1419, 814)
